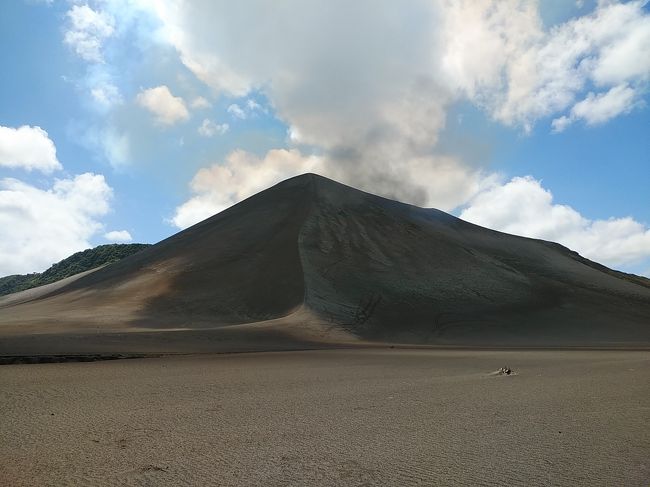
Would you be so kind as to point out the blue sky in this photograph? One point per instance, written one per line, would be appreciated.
(527, 117)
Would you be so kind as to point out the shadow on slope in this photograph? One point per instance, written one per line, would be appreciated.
(389, 271)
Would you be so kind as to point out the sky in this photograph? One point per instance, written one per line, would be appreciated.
(129, 120)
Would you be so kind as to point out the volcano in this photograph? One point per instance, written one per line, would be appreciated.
(312, 262)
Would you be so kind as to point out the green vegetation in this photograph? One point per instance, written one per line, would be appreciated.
(79, 262)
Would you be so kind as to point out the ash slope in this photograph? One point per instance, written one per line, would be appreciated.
(314, 260)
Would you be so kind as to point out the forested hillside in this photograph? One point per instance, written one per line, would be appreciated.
(79, 262)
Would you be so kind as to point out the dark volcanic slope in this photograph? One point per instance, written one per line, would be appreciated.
(318, 252)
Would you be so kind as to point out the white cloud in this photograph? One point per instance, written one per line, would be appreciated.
(598, 109)
(221, 185)
(523, 207)
(561, 123)
(167, 108)
(87, 31)
(332, 84)
(249, 108)
(199, 103)
(118, 236)
(27, 148)
(623, 36)
(209, 128)
(370, 103)
(106, 95)
(339, 89)
(501, 57)
(41, 226)
(442, 183)
(374, 105)
(253, 106)
(236, 111)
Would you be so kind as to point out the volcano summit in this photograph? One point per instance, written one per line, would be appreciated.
(312, 262)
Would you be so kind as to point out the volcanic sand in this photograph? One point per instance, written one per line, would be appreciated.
(339, 417)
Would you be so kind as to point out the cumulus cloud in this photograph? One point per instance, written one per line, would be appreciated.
(242, 174)
(340, 91)
(375, 104)
(208, 128)
(253, 106)
(41, 226)
(597, 109)
(523, 207)
(236, 111)
(496, 53)
(166, 108)
(118, 236)
(199, 102)
(248, 109)
(87, 30)
(505, 61)
(106, 95)
(27, 148)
